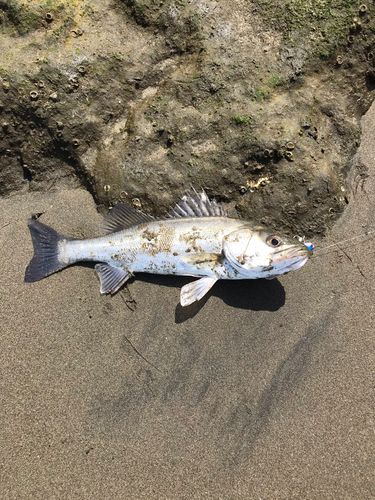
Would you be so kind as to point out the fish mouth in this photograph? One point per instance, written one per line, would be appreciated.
(296, 264)
(293, 252)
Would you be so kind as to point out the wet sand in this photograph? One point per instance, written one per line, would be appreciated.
(264, 390)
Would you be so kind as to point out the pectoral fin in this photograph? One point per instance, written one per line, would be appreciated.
(111, 278)
(196, 290)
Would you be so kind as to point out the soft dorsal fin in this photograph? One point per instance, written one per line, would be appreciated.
(194, 204)
(121, 217)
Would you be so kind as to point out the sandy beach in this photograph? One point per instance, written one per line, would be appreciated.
(264, 390)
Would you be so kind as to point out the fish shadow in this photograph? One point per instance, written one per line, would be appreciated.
(253, 295)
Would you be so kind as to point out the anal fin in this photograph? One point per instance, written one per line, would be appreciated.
(111, 278)
(196, 290)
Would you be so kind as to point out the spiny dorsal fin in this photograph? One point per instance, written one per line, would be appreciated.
(194, 204)
(121, 217)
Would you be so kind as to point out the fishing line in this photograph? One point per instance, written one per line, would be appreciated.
(338, 243)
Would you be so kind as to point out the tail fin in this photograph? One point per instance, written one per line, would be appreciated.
(46, 252)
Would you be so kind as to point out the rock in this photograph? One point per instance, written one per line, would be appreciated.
(178, 92)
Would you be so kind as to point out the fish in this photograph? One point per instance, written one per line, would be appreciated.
(196, 238)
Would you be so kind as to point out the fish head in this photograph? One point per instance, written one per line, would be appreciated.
(256, 252)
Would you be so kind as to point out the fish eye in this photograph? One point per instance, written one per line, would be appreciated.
(273, 241)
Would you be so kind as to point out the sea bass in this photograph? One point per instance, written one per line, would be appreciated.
(196, 238)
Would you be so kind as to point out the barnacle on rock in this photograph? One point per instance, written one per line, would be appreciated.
(82, 70)
(339, 60)
(77, 32)
(34, 95)
(350, 39)
(40, 84)
(242, 189)
(363, 8)
(256, 184)
(137, 203)
(107, 188)
(289, 155)
(290, 146)
(49, 17)
(73, 80)
(76, 143)
(370, 56)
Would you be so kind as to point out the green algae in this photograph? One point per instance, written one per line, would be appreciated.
(325, 23)
(241, 119)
